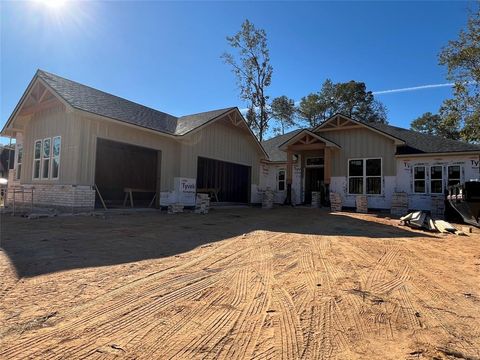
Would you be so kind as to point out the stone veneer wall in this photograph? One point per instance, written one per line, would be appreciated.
(65, 198)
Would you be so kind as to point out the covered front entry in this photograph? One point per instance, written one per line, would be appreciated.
(316, 170)
(120, 167)
(314, 181)
(228, 181)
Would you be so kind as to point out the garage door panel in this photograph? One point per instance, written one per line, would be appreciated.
(232, 180)
(119, 165)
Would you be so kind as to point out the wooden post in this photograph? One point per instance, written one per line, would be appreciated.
(288, 200)
(327, 166)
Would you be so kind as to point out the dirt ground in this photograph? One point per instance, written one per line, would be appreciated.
(236, 284)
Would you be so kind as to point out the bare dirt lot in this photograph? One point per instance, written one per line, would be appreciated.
(236, 284)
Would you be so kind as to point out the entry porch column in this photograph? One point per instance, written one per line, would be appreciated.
(288, 200)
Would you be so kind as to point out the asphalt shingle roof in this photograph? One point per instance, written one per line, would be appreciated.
(271, 146)
(419, 143)
(98, 102)
(415, 143)
(190, 122)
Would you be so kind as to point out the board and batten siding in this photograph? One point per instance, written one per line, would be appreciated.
(360, 143)
(48, 123)
(92, 128)
(220, 141)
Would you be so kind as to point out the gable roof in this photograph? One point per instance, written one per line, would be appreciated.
(411, 142)
(419, 143)
(361, 123)
(272, 146)
(187, 123)
(299, 135)
(91, 100)
(98, 102)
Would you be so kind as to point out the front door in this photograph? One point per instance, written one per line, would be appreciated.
(313, 182)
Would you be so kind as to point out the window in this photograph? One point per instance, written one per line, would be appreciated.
(453, 175)
(374, 176)
(436, 179)
(419, 177)
(57, 142)
(19, 161)
(365, 176)
(46, 158)
(355, 176)
(37, 159)
(281, 178)
(314, 161)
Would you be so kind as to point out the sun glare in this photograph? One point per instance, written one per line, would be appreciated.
(53, 4)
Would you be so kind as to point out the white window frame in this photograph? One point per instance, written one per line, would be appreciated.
(425, 167)
(460, 174)
(46, 158)
(52, 157)
(18, 174)
(431, 179)
(39, 160)
(364, 175)
(314, 166)
(284, 181)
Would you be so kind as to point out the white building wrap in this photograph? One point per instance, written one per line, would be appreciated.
(469, 170)
(402, 182)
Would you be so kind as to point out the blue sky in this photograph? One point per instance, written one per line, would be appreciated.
(167, 54)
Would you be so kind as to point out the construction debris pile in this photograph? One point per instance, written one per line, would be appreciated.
(268, 197)
(399, 203)
(422, 220)
(335, 202)
(175, 208)
(362, 204)
(202, 204)
(316, 199)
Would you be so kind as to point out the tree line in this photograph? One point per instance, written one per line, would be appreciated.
(458, 118)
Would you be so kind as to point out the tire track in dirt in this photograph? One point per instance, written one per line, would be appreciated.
(379, 271)
(209, 319)
(116, 309)
(141, 317)
(289, 343)
(246, 329)
(215, 324)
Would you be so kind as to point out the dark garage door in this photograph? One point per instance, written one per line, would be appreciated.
(120, 166)
(231, 180)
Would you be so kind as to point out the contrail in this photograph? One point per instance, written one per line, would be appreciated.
(391, 91)
(413, 88)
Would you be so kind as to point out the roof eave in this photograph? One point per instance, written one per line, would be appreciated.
(329, 143)
(445, 153)
(396, 140)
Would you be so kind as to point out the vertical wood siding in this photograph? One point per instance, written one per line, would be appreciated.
(220, 141)
(80, 131)
(360, 143)
(49, 123)
(92, 128)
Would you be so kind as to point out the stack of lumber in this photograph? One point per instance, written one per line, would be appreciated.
(422, 220)
(267, 200)
(175, 208)
(335, 202)
(202, 204)
(437, 207)
(361, 203)
(316, 199)
(399, 204)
